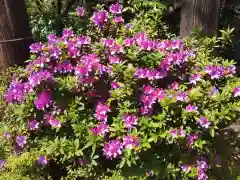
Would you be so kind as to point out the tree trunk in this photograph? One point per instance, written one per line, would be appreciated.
(199, 14)
(15, 33)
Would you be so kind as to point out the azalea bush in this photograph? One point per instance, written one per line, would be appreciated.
(116, 103)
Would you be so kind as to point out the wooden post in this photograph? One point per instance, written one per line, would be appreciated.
(199, 13)
(15, 33)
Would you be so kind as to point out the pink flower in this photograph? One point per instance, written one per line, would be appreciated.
(53, 121)
(128, 42)
(130, 120)
(114, 60)
(177, 132)
(101, 112)
(36, 47)
(192, 138)
(174, 85)
(115, 85)
(195, 78)
(130, 142)
(191, 108)
(100, 18)
(181, 96)
(204, 122)
(66, 33)
(236, 91)
(159, 94)
(112, 149)
(115, 8)
(148, 89)
(101, 129)
(116, 49)
(80, 11)
(118, 19)
(109, 42)
(33, 125)
(43, 100)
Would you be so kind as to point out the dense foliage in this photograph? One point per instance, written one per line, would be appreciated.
(116, 101)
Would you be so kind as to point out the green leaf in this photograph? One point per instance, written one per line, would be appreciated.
(212, 132)
(79, 153)
(76, 143)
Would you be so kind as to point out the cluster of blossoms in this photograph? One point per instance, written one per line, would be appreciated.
(202, 168)
(76, 56)
(114, 148)
(149, 97)
(177, 132)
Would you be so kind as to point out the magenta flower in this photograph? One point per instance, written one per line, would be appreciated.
(115, 8)
(36, 47)
(202, 169)
(215, 72)
(130, 120)
(42, 160)
(114, 60)
(177, 44)
(101, 112)
(101, 129)
(37, 77)
(21, 141)
(54, 51)
(82, 40)
(52, 39)
(100, 17)
(174, 85)
(236, 91)
(66, 33)
(115, 85)
(16, 92)
(173, 132)
(116, 49)
(43, 100)
(130, 142)
(64, 67)
(181, 96)
(159, 94)
(148, 90)
(112, 149)
(195, 78)
(204, 122)
(177, 132)
(141, 36)
(118, 19)
(33, 125)
(80, 11)
(163, 45)
(147, 45)
(146, 110)
(128, 42)
(191, 108)
(52, 121)
(192, 138)
(109, 42)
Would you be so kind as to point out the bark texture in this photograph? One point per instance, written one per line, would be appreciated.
(199, 13)
(14, 24)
